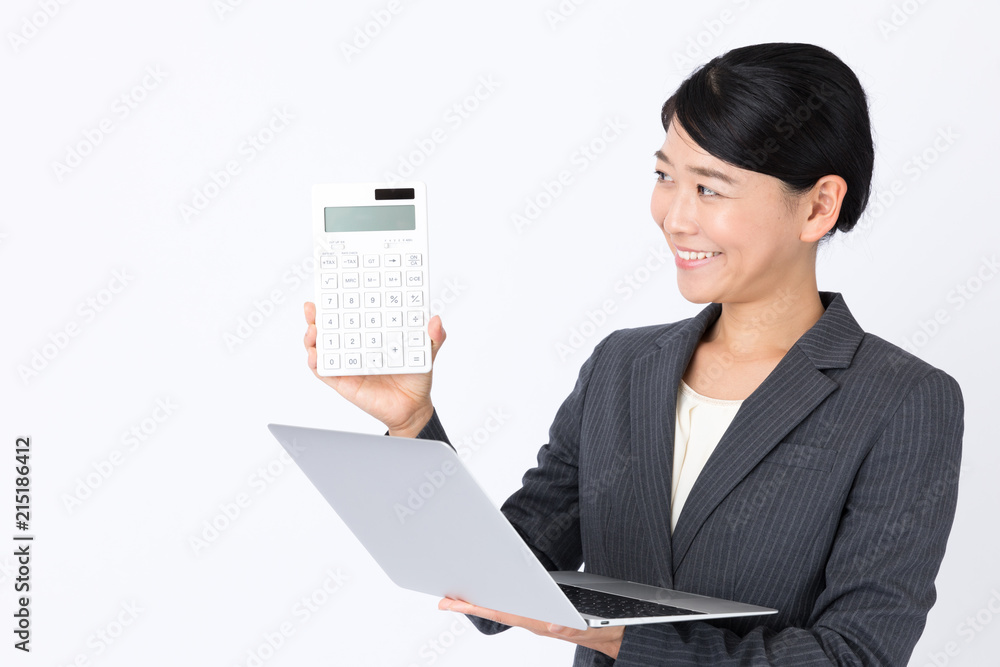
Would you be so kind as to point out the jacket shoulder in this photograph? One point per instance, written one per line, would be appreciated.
(636, 342)
(875, 355)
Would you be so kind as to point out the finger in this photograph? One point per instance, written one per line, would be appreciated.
(310, 338)
(462, 607)
(437, 334)
(309, 308)
(311, 360)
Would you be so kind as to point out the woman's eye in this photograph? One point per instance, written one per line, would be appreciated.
(705, 191)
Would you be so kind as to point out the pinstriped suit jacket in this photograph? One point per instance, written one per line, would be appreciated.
(830, 497)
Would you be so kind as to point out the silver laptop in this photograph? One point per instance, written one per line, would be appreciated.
(420, 514)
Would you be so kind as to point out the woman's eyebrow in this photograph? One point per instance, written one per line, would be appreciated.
(702, 171)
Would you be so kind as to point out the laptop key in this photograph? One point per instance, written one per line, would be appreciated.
(609, 605)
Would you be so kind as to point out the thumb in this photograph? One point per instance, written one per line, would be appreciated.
(437, 335)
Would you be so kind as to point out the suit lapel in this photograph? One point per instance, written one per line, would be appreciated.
(655, 378)
(792, 390)
(787, 396)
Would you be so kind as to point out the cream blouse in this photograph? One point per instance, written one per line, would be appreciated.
(699, 425)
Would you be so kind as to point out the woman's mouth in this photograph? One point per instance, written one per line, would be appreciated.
(693, 259)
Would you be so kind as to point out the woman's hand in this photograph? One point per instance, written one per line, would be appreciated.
(605, 640)
(401, 402)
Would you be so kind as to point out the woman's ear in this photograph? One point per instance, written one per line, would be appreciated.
(823, 204)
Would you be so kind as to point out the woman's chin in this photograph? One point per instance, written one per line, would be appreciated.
(696, 293)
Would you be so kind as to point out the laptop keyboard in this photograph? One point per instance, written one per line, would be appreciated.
(609, 605)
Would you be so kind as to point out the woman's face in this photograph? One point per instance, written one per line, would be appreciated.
(734, 233)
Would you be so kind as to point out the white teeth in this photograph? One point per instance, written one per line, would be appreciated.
(684, 254)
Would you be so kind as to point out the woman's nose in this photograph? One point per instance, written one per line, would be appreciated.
(678, 215)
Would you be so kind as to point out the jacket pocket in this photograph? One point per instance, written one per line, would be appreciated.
(799, 455)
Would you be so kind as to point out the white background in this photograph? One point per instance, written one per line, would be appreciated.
(509, 297)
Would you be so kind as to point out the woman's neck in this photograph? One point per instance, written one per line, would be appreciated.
(766, 327)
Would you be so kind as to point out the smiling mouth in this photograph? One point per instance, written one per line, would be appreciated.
(684, 254)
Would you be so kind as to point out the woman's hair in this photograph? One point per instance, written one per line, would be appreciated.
(792, 111)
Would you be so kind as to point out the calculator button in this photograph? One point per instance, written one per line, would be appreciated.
(329, 301)
(329, 281)
(393, 279)
(328, 261)
(352, 360)
(393, 299)
(350, 280)
(372, 279)
(415, 318)
(414, 278)
(394, 349)
(414, 299)
(352, 340)
(348, 261)
(373, 320)
(414, 259)
(373, 300)
(371, 261)
(352, 321)
(373, 360)
(415, 339)
(331, 321)
(373, 339)
(331, 341)
(392, 260)
(415, 358)
(394, 320)
(352, 300)
(331, 362)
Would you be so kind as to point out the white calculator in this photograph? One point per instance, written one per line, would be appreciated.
(372, 303)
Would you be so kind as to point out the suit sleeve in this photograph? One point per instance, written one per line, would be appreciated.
(881, 569)
(546, 505)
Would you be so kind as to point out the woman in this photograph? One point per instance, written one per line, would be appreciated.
(767, 450)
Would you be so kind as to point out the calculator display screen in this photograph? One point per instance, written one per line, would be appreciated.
(369, 218)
